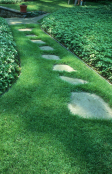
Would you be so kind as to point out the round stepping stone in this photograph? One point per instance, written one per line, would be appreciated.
(25, 29)
(31, 35)
(63, 68)
(38, 41)
(51, 57)
(89, 105)
(73, 80)
(46, 48)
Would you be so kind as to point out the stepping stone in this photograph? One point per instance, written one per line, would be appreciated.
(89, 105)
(38, 41)
(51, 57)
(46, 48)
(31, 35)
(25, 29)
(63, 68)
(73, 80)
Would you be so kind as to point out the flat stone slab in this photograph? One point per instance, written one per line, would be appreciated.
(31, 35)
(63, 68)
(38, 41)
(18, 21)
(51, 57)
(25, 29)
(46, 48)
(73, 81)
(89, 105)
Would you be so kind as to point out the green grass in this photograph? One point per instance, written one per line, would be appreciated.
(48, 5)
(38, 133)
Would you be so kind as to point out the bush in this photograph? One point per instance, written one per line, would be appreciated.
(87, 32)
(9, 62)
(10, 1)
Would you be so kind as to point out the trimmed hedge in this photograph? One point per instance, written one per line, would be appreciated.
(9, 62)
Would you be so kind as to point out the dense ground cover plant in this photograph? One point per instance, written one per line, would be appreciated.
(87, 32)
(34, 13)
(9, 63)
(10, 1)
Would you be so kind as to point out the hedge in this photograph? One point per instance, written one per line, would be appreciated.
(9, 62)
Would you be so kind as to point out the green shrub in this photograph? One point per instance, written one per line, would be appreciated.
(9, 63)
(10, 1)
(87, 32)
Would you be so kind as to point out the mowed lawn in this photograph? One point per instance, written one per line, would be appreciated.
(38, 134)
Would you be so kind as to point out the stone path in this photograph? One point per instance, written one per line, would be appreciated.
(38, 41)
(30, 35)
(18, 21)
(82, 104)
(46, 48)
(73, 81)
(50, 57)
(63, 68)
(25, 29)
(89, 105)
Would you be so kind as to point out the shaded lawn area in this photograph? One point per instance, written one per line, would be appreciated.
(48, 6)
(45, 5)
(38, 134)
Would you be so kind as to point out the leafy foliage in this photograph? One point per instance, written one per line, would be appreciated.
(34, 14)
(10, 1)
(9, 63)
(87, 32)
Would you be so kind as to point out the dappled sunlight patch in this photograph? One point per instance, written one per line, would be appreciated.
(13, 22)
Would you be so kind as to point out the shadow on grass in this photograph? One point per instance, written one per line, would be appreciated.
(85, 141)
(40, 103)
(48, 6)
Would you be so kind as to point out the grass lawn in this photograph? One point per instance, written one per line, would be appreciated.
(38, 134)
(48, 6)
(45, 5)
